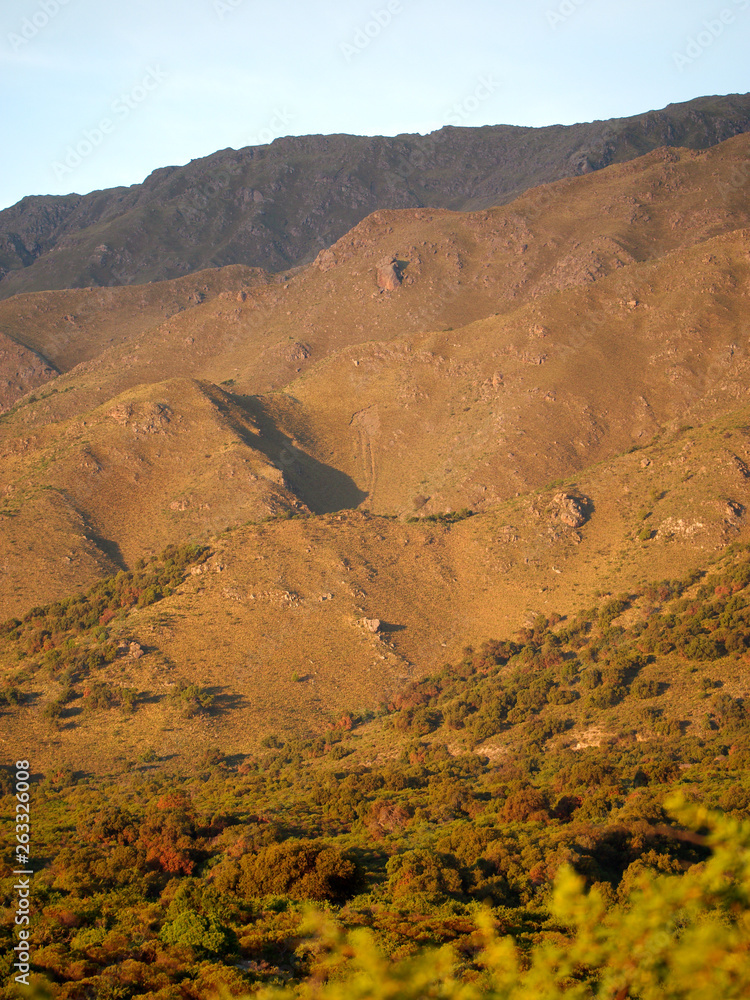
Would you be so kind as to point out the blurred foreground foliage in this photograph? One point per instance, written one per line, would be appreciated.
(673, 938)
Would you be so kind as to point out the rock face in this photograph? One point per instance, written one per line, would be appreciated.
(298, 352)
(21, 371)
(570, 510)
(389, 276)
(142, 418)
(276, 206)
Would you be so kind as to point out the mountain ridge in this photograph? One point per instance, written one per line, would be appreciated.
(277, 206)
(187, 407)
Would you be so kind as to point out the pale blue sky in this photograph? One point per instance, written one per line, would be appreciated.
(140, 84)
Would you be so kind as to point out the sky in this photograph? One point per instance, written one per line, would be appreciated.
(98, 93)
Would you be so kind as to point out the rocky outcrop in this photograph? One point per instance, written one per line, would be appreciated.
(389, 276)
(21, 371)
(570, 510)
(142, 418)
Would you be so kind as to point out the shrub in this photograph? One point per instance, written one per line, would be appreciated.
(644, 689)
(422, 873)
(606, 696)
(561, 696)
(191, 699)
(10, 695)
(729, 711)
(300, 870)
(591, 678)
(525, 804)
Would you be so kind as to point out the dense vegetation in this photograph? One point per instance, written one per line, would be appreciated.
(71, 639)
(541, 870)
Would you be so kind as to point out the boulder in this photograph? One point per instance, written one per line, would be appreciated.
(389, 276)
(570, 509)
(326, 260)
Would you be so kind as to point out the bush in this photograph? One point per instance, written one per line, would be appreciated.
(524, 805)
(299, 870)
(10, 695)
(428, 875)
(729, 711)
(53, 711)
(101, 696)
(192, 699)
(561, 696)
(644, 689)
(674, 937)
(591, 678)
(607, 696)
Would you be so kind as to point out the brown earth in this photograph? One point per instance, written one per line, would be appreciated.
(573, 367)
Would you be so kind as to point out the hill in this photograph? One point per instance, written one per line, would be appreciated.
(277, 206)
(412, 582)
(484, 371)
(525, 792)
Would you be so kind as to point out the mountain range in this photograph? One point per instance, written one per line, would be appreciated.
(277, 206)
(447, 423)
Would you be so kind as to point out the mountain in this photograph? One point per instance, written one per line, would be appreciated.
(277, 206)
(570, 367)
(505, 331)
(412, 581)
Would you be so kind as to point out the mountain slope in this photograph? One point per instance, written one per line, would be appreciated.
(590, 317)
(277, 206)
(240, 325)
(275, 621)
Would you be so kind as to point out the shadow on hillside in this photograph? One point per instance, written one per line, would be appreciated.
(110, 549)
(224, 703)
(323, 488)
(149, 698)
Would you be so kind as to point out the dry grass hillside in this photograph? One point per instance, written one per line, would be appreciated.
(274, 623)
(506, 348)
(572, 367)
(235, 325)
